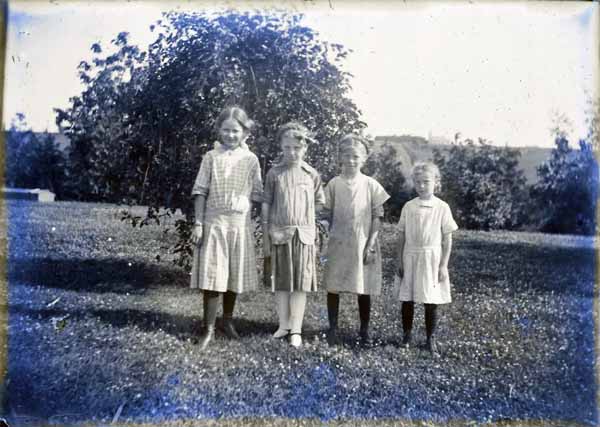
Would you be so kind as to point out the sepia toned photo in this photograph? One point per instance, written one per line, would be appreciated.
(299, 213)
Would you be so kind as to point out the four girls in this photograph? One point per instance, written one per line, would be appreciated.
(229, 180)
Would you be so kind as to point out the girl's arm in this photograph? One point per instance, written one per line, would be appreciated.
(264, 219)
(445, 258)
(197, 232)
(401, 241)
(369, 255)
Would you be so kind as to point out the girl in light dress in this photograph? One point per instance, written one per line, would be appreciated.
(426, 226)
(293, 194)
(354, 208)
(224, 261)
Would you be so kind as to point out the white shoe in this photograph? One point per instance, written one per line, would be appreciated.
(295, 340)
(281, 333)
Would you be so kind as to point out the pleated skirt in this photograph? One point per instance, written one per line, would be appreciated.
(293, 266)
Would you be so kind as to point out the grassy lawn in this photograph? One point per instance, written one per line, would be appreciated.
(99, 326)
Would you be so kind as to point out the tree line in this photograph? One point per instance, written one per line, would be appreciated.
(144, 119)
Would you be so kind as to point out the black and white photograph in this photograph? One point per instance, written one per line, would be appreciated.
(299, 213)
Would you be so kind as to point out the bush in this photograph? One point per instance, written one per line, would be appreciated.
(483, 185)
(567, 190)
(383, 166)
(33, 161)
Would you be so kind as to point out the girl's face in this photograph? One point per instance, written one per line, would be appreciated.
(293, 149)
(231, 134)
(424, 184)
(352, 160)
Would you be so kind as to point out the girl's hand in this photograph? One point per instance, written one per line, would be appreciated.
(443, 274)
(400, 271)
(369, 256)
(197, 234)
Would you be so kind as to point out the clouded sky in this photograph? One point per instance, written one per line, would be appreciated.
(492, 70)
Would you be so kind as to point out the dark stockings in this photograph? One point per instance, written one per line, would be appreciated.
(408, 312)
(211, 302)
(430, 320)
(333, 308)
(228, 304)
(364, 311)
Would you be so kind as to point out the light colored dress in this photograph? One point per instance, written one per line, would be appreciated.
(351, 208)
(423, 223)
(293, 193)
(226, 260)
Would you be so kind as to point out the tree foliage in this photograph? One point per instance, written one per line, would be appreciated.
(567, 190)
(145, 118)
(383, 166)
(482, 184)
(33, 161)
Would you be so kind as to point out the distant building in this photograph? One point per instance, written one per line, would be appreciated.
(436, 139)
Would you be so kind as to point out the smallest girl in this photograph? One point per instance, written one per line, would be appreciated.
(426, 226)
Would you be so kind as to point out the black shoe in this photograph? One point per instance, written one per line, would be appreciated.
(206, 338)
(406, 340)
(365, 339)
(431, 346)
(229, 329)
(332, 338)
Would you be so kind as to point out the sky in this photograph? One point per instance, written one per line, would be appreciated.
(494, 70)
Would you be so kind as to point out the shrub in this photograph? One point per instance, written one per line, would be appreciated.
(483, 185)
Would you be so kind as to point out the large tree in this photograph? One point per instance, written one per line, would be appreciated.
(145, 118)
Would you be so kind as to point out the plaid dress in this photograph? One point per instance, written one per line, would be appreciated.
(230, 180)
(293, 193)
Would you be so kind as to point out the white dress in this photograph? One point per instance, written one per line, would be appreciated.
(352, 208)
(423, 223)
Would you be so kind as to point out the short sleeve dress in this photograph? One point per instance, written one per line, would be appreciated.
(423, 223)
(351, 207)
(293, 193)
(226, 260)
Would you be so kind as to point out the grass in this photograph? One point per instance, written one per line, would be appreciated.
(98, 322)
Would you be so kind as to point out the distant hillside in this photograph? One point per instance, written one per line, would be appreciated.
(414, 148)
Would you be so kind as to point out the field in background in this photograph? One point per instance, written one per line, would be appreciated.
(100, 322)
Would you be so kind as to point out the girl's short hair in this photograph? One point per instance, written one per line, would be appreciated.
(301, 132)
(236, 113)
(421, 168)
(352, 140)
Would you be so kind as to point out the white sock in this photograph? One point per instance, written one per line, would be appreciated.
(297, 306)
(282, 304)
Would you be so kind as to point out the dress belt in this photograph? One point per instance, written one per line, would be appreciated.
(420, 248)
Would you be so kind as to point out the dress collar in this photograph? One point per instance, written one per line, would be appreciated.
(427, 203)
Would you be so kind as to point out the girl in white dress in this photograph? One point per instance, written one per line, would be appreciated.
(426, 226)
(228, 181)
(354, 207)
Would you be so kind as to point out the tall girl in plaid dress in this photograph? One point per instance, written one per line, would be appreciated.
(426, 226)
(228, 181)
(354, 207)
(293, 194)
